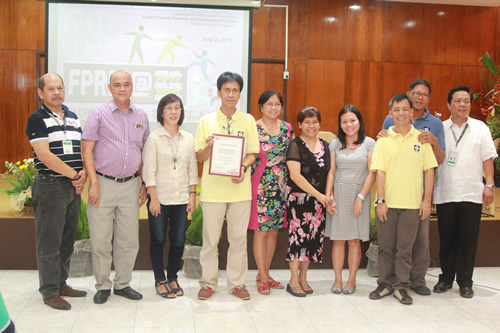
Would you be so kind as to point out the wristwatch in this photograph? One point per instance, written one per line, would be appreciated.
(361, 196)
(244, 167)
(380, 201)
(492, 186)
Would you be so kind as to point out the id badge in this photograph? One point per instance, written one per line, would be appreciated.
(453, 158)
(67, 147)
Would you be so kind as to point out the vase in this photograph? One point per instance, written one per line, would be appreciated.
(81, 259)
(191, 257)
(372, 265)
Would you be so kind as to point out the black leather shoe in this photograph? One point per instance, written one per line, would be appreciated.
(422, 290)
(466, 292)
(380, 292)
(101, 296)
(128, 293)
(442, 287)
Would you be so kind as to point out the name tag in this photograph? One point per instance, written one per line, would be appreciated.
(67, 147)
(453, 158)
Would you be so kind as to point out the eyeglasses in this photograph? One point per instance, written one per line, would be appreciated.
(228, 128)
(169, 109)
(270, 105)
(418, 94)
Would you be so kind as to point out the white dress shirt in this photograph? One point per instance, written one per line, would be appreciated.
(464, 181)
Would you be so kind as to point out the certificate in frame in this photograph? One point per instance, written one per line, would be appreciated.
(226, 155)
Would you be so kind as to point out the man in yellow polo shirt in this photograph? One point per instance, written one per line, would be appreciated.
(401, 162)
(224, 196)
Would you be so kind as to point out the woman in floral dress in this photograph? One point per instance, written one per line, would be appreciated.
(269, 175)
(308, 161)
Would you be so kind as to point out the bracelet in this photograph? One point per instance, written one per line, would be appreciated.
(492, 186)
(192, 192)
(77, 177)
(143, 183)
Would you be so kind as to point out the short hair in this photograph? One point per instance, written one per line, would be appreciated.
(168, 99)
(308, 112)
(361, 132)
(398, 98)
(227, 77)
(41, 80)
(418, 82)
(266, 95)
(119, 71)
(456, 89)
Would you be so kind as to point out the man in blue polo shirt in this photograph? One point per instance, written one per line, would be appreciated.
(432, 132)
(55, 134)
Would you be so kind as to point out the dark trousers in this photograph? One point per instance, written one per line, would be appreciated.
(395, 242)
(177, 216)
(458, 236)
(56, 208)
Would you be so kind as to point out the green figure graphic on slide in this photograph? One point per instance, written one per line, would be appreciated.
(171, 43)
(136, 47)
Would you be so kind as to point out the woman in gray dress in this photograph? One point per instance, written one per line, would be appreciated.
(351, 154)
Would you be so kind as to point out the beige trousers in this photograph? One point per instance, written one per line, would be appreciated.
(238, 215)
(114, 232)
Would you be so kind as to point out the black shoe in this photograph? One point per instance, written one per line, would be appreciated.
(422, 290)
(128, 293)
(466, 292)
(403, 296)
(101, 296)
(380, 292)
(442, 287)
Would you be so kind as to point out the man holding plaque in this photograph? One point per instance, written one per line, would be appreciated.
(225, 138)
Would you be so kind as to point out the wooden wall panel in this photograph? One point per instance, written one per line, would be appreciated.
(477, 33)
(296, 90)
(26, 99)
(441, 28)
(365, 30)
(259, 32)
(442, 78)
(264, 77)
(31, 16)
(325, 84)
(363, 89)
(326, 29)
(469, 76)
(8, 115)
(497, 30)
(403, 32)
(297, 29)
(275, 43)
(8, 28)
(396, 79)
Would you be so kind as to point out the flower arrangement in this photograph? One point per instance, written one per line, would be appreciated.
(20, 193)
(490, 97)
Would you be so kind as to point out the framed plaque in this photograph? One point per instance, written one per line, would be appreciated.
(227, 155)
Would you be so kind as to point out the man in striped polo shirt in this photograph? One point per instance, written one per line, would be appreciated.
(113, 138)
(55, 134)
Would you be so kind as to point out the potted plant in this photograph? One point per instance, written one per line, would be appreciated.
(372, 252)
(20, 193)
(192, 247)
(81, 259)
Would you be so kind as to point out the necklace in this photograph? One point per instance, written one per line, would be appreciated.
(174, 159)
(276, 125)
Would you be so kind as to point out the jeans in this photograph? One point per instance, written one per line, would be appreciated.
(177, 216)
(56, 206)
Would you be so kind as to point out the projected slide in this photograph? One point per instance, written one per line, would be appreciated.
(165, 49)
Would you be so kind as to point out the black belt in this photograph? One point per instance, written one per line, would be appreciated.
(119, 179)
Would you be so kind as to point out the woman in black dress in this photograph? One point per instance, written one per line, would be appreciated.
(308, 161)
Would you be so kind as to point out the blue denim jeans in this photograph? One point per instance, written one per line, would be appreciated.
(56, 208)
(177, 216)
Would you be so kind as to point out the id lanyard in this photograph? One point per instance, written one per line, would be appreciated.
(461, 134)
(63, 126)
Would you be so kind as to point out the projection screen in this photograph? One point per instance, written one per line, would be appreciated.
(166, 49)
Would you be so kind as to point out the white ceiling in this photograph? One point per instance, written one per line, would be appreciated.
(252, 3)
